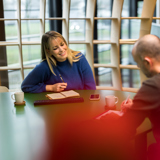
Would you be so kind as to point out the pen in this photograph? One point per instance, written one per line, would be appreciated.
(127, 99)
(61, 78)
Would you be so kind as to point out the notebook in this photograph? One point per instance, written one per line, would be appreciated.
(64, 94)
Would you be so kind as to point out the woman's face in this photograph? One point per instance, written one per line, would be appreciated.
(58, 49)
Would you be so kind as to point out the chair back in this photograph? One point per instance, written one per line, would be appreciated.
(4, 89)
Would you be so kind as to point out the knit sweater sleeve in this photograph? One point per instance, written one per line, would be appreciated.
(89, 83)
(35, 80)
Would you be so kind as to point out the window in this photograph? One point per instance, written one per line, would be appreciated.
(103, 30)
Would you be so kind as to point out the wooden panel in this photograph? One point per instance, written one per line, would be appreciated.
(103, 42)
(100, 18)
(90, 10)
(148, 10)
(105, 88)
(104, 65)
(115, 36)
(20, 37)
(128, 66)
(130, 89)
(65, 15)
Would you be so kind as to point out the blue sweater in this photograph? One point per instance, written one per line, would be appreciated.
(79, 76)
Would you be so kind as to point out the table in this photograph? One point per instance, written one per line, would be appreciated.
(25, 131)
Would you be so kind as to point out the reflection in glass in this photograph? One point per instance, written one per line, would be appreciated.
(11, 31)
(135, 28)
(125, 9)
(77, 9)
(126, 54)
(104, 8)
(103, 56)
(140, 7)
(77, 30)
(26, 71)
(30, 9)
(15, 79)
(12, 56)
(130, 28)
(47, 9)
(31, 54)
(30, 30)
(10, 9)
(47, 27)
(130, 78)
(104, 29)
(78, 47)
(104, 77)
(125, 29)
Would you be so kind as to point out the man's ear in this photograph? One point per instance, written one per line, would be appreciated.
(148, 62)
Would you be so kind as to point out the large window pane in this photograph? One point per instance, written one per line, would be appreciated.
(11, 31)
(104, 29)
(104, 8)
(77, 9)
(130, 78)
(10, 9)
(26, 71)
(139, 9)
(125, 30)
(47, 27)
(12, 55)
(77, 30)
(104, 77)
(130, 27)
(30, 30)
(15, 79)
(31, 54)
(103, 56)
(126, 54)
(30, 9)
(125, 9)
(78, 47)
(47, 9)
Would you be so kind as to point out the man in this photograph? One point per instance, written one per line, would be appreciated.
(146, 103)
(109, 137)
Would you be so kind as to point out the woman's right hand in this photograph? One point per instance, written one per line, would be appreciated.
(58, 87)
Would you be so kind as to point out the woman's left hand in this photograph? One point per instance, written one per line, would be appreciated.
(58, 87)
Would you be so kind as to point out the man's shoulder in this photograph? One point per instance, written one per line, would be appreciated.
(153, 81)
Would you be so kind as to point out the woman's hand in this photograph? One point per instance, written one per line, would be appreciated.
(127, 105)
(58, 87)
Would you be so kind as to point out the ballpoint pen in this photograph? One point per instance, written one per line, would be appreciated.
(61, 78)
(127, 99)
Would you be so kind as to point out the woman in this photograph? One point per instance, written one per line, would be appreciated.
(61, 68)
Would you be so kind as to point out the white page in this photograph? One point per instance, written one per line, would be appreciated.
(70, 93)
(55, 96)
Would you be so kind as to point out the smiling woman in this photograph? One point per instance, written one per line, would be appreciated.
(58, 61)
(58, 49)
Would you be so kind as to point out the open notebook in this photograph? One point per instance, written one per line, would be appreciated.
(64, 94)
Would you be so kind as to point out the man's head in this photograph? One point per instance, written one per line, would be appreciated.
(146, 53)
